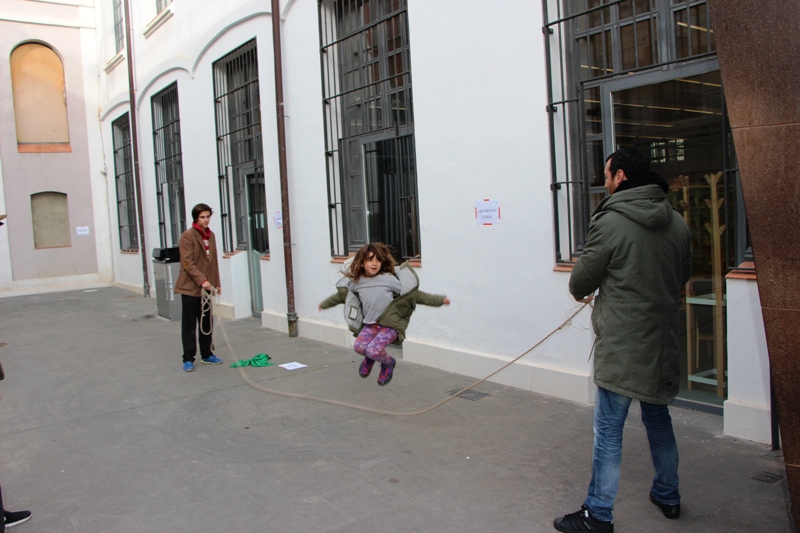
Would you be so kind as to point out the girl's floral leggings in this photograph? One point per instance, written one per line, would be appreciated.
(372, 342)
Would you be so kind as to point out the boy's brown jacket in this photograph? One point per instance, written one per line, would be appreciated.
(196, 266)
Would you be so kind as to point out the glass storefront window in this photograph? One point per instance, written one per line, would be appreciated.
(681, 124)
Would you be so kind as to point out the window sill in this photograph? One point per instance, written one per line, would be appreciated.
(157, 22)
(116, 60)
(746, 270)
(264, 257)
(340, 259)
(228, 255)
(44, 148)
(563, 267)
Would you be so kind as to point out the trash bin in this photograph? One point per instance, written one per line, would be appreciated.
(167, 266)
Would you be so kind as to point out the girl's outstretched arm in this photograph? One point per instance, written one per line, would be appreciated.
(435, 300)
(332, 300)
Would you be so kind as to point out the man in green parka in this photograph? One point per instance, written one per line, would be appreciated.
(638, 254)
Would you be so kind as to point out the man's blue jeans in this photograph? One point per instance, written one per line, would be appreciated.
(610, 411)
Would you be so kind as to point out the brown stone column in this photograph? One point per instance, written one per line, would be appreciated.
(758, 44)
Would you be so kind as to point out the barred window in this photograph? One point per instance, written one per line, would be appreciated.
(644, 74)
(169, 166)
(123, 177)
(119, 25)
(369, 125)
(633, 73)
(240, 154)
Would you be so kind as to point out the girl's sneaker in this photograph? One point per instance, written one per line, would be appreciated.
(386, 372)
(366, 367)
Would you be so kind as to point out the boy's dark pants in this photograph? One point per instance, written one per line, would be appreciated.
(191, 308)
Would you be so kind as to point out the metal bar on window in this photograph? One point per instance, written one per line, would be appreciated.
(123, 178)
(237, 114)
(168, 165)
(561, 19)
(366, 92)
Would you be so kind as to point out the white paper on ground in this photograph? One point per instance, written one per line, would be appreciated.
(292, 366)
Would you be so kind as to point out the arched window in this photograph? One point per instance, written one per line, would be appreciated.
(50, 215)
(40, 99)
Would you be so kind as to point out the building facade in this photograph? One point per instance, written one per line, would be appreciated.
(403, 118)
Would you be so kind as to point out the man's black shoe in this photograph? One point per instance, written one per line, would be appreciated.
(582, 522)
(14, 518)
(670, 511)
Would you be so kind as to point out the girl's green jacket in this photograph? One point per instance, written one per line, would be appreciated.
(396, 315)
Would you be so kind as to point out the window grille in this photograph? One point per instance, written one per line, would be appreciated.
(123, 177)
(161, 4)
(369, 125)
(237, 108)
(600, 50)
(119, 25)
(169, 166)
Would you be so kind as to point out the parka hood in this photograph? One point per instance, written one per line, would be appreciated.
(409, 280)
(647, 206)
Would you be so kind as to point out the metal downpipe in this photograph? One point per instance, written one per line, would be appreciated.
(291, 315)
(135, 145)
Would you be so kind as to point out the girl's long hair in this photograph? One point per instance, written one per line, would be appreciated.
(380, 250)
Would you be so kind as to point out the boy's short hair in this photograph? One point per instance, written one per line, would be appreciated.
(198, 209)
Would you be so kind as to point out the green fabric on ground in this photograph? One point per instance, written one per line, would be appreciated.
(261, 359)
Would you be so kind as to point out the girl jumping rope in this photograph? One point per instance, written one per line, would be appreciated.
(378, 301)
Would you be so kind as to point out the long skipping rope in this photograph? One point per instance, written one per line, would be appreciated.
(210, 304)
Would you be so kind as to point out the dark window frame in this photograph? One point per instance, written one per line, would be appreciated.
(123, 179)
(369, 125)
(573, 97)
(119, 25)
(168, 159)
(237, 110)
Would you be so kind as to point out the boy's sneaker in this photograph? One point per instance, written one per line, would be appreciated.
(15, 518)
(582, 522)
(188, 366)
(212, 360)
(366, 367)
(386, 372)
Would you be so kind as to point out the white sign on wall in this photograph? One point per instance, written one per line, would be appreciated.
(487, 212)
(278, 219)
(82, 230)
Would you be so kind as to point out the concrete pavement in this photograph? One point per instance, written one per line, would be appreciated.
(101, 431)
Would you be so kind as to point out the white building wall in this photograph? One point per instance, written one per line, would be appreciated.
(747, 409)
(480, 132)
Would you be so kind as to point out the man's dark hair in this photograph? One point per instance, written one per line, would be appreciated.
(199, 208)
(632, 162)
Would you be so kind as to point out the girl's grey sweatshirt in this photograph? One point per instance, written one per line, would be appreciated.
(375, 293)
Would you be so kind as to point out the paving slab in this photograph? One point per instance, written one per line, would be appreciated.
(101, 431)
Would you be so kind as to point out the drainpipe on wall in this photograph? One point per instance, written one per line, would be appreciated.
(287, 233)
(135, 144)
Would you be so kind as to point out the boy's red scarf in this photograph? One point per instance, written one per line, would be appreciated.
(206, 233)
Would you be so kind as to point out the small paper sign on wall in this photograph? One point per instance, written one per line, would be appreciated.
(487, 212)
(277, 218)
(82, 230)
